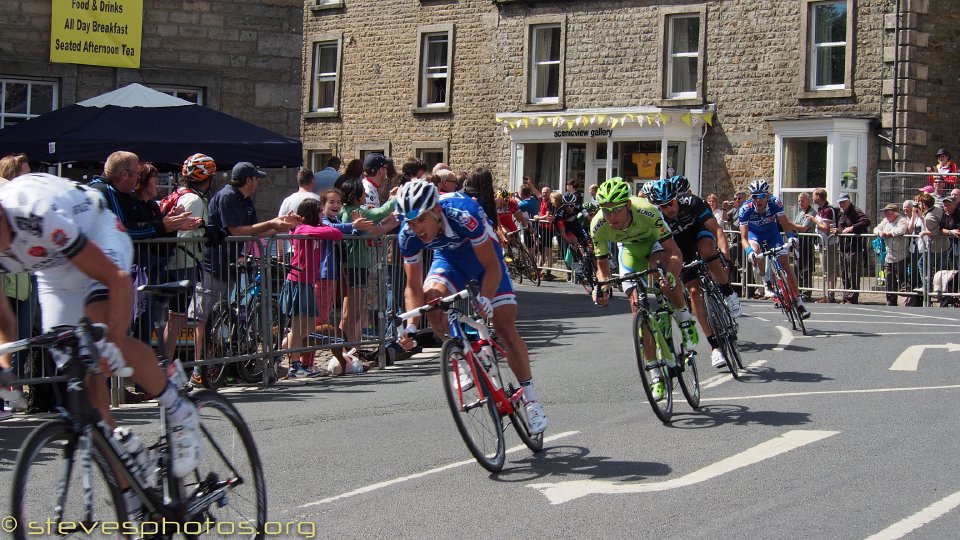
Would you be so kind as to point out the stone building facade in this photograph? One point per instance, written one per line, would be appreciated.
(241, 57)
(798, 91)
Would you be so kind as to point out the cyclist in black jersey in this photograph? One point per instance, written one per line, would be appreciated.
(699, 235)
(567, 217)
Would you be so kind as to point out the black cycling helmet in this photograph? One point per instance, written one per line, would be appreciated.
(569, 198)
(662, 192)
(681, 182)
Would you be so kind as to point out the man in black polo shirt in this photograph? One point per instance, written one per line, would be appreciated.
(232, 211)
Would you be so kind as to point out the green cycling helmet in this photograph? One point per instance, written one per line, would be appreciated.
(613, 191)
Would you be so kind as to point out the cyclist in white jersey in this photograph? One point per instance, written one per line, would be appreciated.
(64, 233)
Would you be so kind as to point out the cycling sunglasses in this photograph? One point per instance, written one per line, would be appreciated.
(759, 196)
(612, 209)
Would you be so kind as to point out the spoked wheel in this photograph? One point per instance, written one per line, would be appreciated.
(734, 351)
(50, 475)
(652, 373)
(230, 466)
(514, 268)
(689, 378)
(518, 417)
(719, 320)
(474, 410)
(220, 341)
(251, 371)
(530, 267)
(784, 300)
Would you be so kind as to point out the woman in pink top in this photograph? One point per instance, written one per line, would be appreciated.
(297, 299)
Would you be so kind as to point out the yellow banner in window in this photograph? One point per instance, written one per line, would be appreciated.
(96, 32)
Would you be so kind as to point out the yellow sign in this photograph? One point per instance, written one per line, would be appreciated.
(96, 32)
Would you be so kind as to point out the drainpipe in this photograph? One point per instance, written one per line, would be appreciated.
(896, 84)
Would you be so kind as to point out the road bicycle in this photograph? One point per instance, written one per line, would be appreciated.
(721, 320)
(67, 474)
(785, 297)
(653, 318)
(478, 392)
(520, 262)
(236, 327)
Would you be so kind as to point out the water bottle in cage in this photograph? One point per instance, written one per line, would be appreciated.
(142, 461)
(489, 360)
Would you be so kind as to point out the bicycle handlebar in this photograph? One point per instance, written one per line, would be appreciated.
(703, 262)
(632, 276)
(435, 304)
(782, 249)
(84, 333)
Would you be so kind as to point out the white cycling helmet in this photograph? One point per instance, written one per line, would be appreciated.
(415, 198)
(759, 186)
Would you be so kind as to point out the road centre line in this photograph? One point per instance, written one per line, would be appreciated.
(831, 392)
(561, 492)
(400, 480)
(921, 518)
(907, 313)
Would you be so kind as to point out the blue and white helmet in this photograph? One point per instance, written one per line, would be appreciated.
(759, 187)
(415, 198)
(662, 192)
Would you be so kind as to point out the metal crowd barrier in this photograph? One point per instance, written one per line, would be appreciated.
(250, 294)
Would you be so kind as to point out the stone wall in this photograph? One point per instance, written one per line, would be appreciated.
(612, 48)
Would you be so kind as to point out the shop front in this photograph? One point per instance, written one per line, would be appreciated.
(589, 146)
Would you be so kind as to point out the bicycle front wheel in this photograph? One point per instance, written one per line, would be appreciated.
(221, 339)
(654, 372)
(50, 475)
(474, 410)
(229, 466)
(783, 298)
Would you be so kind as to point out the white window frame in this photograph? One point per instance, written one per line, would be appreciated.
(672, 55)
(814, 47)
(181, 91)
(426, 75)
(28, 114)
(836, 131)
(328, 76)
(535, 46)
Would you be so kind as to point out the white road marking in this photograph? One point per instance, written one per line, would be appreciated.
(837, 392)
(909, 359)
(786, 336)
(908, 313)
(561, 492)
(921, 518)
(720, 379)
(761, 319)
(388, 483)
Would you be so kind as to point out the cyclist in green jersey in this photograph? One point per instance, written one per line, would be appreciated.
(637, 226)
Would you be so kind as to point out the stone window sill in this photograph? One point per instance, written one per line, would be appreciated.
(321, 114)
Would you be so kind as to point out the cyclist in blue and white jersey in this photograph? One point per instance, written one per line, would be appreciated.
(759, 219)
(465, 248)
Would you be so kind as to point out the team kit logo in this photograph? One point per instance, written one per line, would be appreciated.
(59, 238)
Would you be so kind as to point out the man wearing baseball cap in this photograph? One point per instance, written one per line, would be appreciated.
(375, 172)
(232, 211)
(892, 230)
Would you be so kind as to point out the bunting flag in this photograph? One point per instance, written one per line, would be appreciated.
(658, 119)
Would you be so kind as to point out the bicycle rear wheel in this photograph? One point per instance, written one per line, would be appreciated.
(473, 408)
(689, 378)
(656, 371)
(230, 465)
(251, 371)
(530, 266)
(49, 474)
(718, 321)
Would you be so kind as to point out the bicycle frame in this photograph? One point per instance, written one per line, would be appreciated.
(470, 348)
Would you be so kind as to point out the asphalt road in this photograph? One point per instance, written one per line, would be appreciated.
(846, 433)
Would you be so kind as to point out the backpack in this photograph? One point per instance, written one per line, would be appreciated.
(168, 202)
